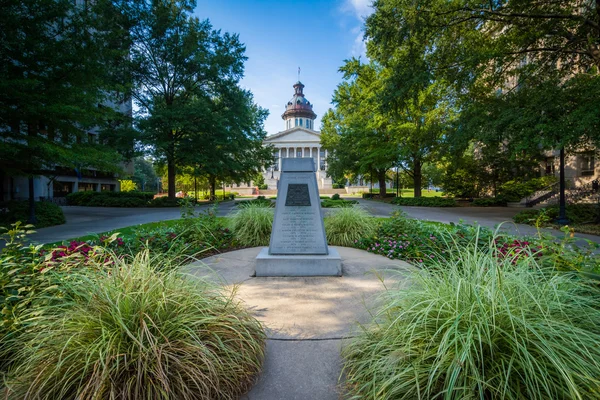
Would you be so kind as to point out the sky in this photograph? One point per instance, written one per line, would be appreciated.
(282, 35)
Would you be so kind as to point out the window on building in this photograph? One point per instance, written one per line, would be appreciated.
(587, 163)
(296, 122)
(323, 161)
(550, 170)
(91, 138)
(298, 153)
(300, 121)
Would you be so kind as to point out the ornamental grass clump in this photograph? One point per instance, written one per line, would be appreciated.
(252, 223)
(479, 326)
(347, 225)
(137, 333)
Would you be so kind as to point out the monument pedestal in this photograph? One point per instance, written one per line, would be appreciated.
(298, 245)
(298, 265)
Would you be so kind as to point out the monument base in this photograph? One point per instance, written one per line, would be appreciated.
(300, 265)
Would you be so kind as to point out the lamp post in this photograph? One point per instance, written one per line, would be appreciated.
(562, 214)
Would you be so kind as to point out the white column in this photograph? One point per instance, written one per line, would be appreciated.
(279, 159)
(302, 151)
(318, 158)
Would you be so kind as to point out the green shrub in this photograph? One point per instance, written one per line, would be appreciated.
(347, 225)
(109, 199)
(47, 214)
(424, 201)
(252, 224)
(138, 334)
(335, 196)
(330, 203)
(261, 202)
(164, 201)
(576, 214)
(517, 190)
(489, 202)
(479, 328)
(375, 195)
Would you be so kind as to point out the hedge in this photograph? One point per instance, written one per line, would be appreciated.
(489, 202)
(377, 195)
(109, 199)
(47, 214)
(425, 201)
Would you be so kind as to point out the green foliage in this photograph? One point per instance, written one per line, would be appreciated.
(195, 116)
(144, 175)
(517, 190)
(252, 224)
(47, 214)
(377, 194)
(259, 181)
(489, 202)
(477, 327)
(347, 225)
(340, 203)
(164, 201)
(127, 185)
(109, 199)
(576, 214)
(424, 201)
(260, 200)
(56, 69)
(138, 333)
(335, 196)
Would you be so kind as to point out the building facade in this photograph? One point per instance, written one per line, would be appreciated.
(298, 139)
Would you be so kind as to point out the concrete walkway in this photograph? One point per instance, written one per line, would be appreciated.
(490, 217)
(83, 221)
(305, 318)
(86, 220)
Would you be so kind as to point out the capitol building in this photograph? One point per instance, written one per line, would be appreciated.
(299, 139)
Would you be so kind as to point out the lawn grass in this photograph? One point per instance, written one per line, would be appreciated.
(405, 193)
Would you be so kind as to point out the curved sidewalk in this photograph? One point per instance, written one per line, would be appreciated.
(306, 318)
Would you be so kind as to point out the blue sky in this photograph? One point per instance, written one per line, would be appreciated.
(282, 35)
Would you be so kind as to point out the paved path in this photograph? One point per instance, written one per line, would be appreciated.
(485, 216)
(306, 318)
(85, 220)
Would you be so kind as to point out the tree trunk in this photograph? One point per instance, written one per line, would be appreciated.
(381, 179)
(212, 182)
(32, 219)
(417, 177)
(171, 178)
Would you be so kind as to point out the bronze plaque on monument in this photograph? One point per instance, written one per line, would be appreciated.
(297, 195)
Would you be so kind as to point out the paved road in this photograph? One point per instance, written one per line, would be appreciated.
(490, 217)
(85, 220)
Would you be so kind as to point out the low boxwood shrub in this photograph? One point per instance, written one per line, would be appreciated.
(576, 214)
(377, 195)
(164, 201)
(137, 333)
(489, 202)
(480, 327)
(340, 203)
(109, 199)
(335, 196)
(425, 201)
(47, 214)
(346, 226)
(252, 224)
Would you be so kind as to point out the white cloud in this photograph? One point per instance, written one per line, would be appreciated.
(361, 9)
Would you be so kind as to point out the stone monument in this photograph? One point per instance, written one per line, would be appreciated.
(298, 245)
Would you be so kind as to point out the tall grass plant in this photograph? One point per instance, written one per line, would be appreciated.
(252, 224)
(479, 326)
(347, 225)
(137, 333)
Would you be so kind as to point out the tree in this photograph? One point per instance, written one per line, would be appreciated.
(357, 136)
(513, 62)
(52, 63)
(180, 65)
(144, 174)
